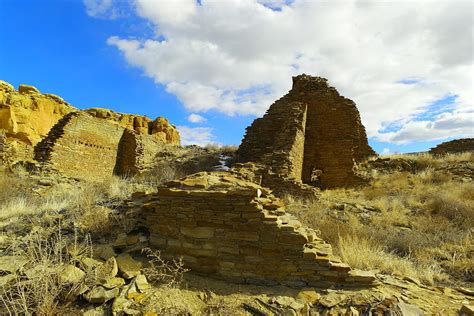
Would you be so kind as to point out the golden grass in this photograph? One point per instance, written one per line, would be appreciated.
(423, 227)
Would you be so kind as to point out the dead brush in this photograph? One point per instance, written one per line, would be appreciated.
(40, 289)
(160, 271)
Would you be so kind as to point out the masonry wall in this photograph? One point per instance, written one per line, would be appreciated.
(240, 237)
(136, 153)
(81, 146)
(334, 137)
(454, 146)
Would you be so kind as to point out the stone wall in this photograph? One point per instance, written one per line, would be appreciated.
(27, 116)
(329, 136)
(81, 147)
(454, 146)
(136, 153)
(233, 229)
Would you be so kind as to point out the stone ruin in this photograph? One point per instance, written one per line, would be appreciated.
(312, 135)
(85, 147)
(88, 144)
(227, 227)
(454, 146)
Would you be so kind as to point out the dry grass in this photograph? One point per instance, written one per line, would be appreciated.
(41, 289)
(423, 227)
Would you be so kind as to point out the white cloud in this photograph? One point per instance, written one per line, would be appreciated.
(238, 57)
(457, 124)
(196, 118)
(196, 135)
(105, 9)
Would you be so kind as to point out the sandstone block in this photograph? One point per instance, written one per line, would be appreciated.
(198, 232)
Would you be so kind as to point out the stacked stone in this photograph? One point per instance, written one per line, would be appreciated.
(2, 148)
(330, 137)
(135, 153)
(235, 230)
(454, 146)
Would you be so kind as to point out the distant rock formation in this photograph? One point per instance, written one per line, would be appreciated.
(40, 126)
(454, 146)
(312, 135)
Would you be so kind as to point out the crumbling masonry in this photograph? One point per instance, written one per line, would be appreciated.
(227, 227)
(312, 135)
(86, 147)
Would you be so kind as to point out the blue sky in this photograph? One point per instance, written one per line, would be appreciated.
(176, 60)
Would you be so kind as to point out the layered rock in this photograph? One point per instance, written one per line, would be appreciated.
(27, 116)
(454, 146)
(312, 135)
(160, 128)
(227, 227)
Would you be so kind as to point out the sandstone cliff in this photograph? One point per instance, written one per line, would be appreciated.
(160, 128)
(27, 116)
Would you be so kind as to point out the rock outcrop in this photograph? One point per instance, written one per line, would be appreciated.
(227, 227)
(32, 122)
(26, 117)
(160, 128)
(312, 135)
(454, 146)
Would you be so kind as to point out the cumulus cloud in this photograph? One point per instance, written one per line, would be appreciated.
(196, 118)
(393, 59)
(459, 124)
(196, 135)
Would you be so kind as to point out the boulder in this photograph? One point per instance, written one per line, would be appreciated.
(26, 89)
(128, 266)
(71, 274)
(101, 295)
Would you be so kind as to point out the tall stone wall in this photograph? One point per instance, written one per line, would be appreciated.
(85, 147)
(454, 146)
(81, 146)
(232, 229)
(334, 137)
(136, 153)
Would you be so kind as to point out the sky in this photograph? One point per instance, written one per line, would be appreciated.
(212, 66)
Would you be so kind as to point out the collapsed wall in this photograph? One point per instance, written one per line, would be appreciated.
(85, 147)
(27, 116)
(229, 228)
(312, 134)
(454, 146)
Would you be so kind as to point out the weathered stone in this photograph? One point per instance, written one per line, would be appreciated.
(26, 89)
(46, 128)
(11, 264)
(309, 296)
(409, 309)
(71, 274)
(198, 232)
(466, 310)
(312, 134)
(128, 266)
(141, 283)
(332, 299)
(108, 269)
(100, 295)
(228, 236)
(454, 146)
(112, 283)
